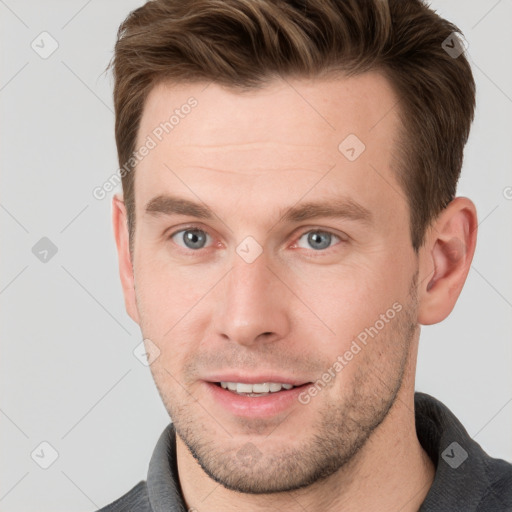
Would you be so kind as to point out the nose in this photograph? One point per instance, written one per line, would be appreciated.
(252, 306)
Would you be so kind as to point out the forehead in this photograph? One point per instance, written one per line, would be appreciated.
(276, 141)
(317, 111)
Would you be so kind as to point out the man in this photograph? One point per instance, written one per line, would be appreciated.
(288, 221)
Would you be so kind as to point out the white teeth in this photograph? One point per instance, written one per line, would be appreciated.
(255, 389)
(261, 388)
(243, 388)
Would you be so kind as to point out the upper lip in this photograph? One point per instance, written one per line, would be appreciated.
(256, 379)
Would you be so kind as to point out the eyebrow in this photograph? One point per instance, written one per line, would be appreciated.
(338, 208)
(171, 205)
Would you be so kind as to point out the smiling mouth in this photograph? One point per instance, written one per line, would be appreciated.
(256, 390)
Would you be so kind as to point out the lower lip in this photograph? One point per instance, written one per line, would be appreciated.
(256, 406)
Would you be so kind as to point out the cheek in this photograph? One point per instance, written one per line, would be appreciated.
(166, 290)
(362, 305)
(172, 302)
(347, 297)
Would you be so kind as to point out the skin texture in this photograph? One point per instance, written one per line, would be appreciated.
(297, 307)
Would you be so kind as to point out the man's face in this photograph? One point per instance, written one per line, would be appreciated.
(262, 291)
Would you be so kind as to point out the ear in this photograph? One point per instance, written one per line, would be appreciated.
(445, 260)
(120, 225)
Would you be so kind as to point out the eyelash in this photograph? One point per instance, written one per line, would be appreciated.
(311, 230)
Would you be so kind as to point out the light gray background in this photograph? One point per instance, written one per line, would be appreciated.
(68, 374)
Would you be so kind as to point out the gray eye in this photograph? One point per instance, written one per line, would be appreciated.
(191, 238)
(318, 240)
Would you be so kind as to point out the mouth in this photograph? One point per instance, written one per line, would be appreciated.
(263, 399)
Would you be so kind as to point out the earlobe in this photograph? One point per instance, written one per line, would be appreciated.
(445, 260)
(120, 225)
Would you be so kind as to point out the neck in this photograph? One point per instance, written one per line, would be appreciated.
(390, 472)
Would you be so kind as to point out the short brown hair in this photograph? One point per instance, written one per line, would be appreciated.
(246, 43)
